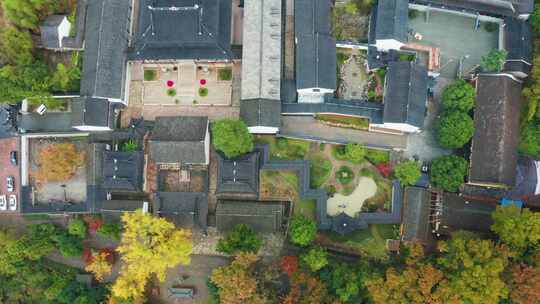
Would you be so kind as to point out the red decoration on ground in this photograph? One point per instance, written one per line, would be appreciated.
(170, 83)
(202, 81)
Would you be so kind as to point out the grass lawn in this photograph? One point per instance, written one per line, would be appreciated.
(279, 184)
(306, 207)
(359, 123)
(370, 242)
(320, 169)
(285, 148)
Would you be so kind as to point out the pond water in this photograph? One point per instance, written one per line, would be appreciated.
(352, 204)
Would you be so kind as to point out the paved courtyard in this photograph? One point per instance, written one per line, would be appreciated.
(8, 169)
(456, 37)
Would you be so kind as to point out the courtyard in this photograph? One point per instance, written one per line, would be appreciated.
(455, 35)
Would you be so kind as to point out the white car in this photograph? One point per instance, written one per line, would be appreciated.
(3, 203)
(12, 202)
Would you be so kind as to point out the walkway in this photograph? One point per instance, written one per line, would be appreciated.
(309, 128)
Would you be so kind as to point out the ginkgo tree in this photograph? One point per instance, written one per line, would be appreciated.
(149, 246)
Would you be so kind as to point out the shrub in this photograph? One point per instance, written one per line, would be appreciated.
(171, 92)
(331, 190)
(130, 146)
(289, 264)
(231, 136)
(282, 143)
(377, 156)
(458, 96)
(493, 61)
(385, 169)
(225, 74)
(408, 172)
(320, 169)
(454, 129)
(93, 222)
(355, 153)
(339, 153)
(68, 245)
(111, 231)
(344, 175)
(150, 75)
(316, 258)
(77, 228)
(241, 239)
(203, 92)
(302, 230)
(448, 172)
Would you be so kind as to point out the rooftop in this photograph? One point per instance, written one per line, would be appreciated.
(122, 170)
(183, 29)
(185, 209)
(496, 134)
(416, 209)
(261, 112)
(392, 19)
(461, 213)
(239, 175)
(263, 217)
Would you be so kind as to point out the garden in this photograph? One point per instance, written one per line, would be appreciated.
(354, 80)
(350, 21)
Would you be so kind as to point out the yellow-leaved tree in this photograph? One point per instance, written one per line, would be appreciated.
(149, 246)
(100, 266)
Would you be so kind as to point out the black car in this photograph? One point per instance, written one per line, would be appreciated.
(13, 157)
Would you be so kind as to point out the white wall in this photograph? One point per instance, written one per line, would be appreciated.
(263, 130)
(63, 30)
(407, 128)
(91, 128)
(207, 144)
(388, 44)
(313, 95)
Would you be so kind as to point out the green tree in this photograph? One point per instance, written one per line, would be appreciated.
(15, 46)
(316, 258)
(231, 136)
(302, 230)
(493, 61)
(68, 245)
(534, 18)
(448, 172)
(60, 80)
(242, 238)
(454, 129)
(355, 153)
(519, 229)
(473, 268)
(346, 281)
(111, 231)
(28, 13)
(459, 96)
(78, 228)
(530, 138)
(408, 172)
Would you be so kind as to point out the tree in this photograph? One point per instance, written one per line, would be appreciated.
(149, 246)
(231, 136)
(316, 258)
(77, 228)
(408, 172)
(519, 229)
(15, 46)
(68, 245)
(28, 13)
(306, 289)
(355, 153)
(493, 61)
(525, 284)
(454, 129)
(100, 265)
(59, 162)
(242, 238)
(534, 18)
(448, 172)
(459, 96)
(236, 282)
(289, 264)
(110, 230)
(60, 80)
(345, 281)
(473, 268)
(302, 230)
(530, 138)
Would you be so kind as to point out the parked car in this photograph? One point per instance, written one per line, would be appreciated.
(3, 203)
(10, 181)
(13, 157)
(425, 167)
(12, 202)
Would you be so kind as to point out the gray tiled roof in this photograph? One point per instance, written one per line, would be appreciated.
(239, 175)
(179, 140)
(106, 39)
(49, 122)
(49, 31)
(497, 8)
(496, 135)
(392, 20)
(405, 94)
(315, 46)
(518, 40)
(462, 213)
(371, 110)
(202, 32)
(122, 170)
(416, 226)
(96, 112)
(261, 112)
(185, 209)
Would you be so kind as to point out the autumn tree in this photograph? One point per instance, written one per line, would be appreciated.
(473, 268)
(149, 246)
(59, 162)
(100, 265)
(525, 284)
(306, 289)
(519, 229)
(236, 282)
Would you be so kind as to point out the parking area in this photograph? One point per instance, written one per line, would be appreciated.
(8, 169)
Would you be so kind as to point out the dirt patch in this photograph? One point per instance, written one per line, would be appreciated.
(352, 204)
